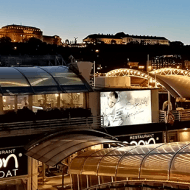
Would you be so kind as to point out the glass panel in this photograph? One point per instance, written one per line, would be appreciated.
(129, 166)
(56, 70)
(52, 100)
(169, 148)
(13, 82)
(72, 100)
(121, 151)
(38, 102)
(103, 152)
(42, 82)
(180, 168)
(11, 77)
(8, 103)
(63, 75)
(186, 149)
(37, 76)
(22, 101)
(88, 153)
(108, 165)
(33, 72)
(77, 165)
(69, 79)
(144, 149)
(90, 165)
(156, 166)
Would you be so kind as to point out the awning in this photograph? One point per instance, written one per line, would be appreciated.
(53, 149)
(40, 80)
(177, 85)
(165, 162)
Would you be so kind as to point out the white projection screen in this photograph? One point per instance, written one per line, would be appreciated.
(126, 107)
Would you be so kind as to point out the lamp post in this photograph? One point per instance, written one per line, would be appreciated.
(94, 75)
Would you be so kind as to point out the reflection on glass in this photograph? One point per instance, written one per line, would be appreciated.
(72, 100)
(8, 103)
(39, 101)
(13, 83)
(22, 101)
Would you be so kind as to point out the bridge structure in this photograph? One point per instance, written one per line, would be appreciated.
(173, 80)
(145, 75)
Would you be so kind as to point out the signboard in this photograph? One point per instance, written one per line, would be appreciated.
(143, 139)
(13, 162)
(126, 107)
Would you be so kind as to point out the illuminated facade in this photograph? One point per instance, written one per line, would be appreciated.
(19, 33)
(167, 61)
(122, 38)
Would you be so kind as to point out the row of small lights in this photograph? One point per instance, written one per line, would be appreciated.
(169, 69)
(126, 70)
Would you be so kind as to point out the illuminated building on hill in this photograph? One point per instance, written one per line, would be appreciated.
(20, 33)
(122, 38)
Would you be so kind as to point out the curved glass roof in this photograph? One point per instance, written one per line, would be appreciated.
(167, 162)
(54, 150)
(175, 84)
(40, 80)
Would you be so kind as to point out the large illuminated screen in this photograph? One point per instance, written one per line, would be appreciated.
(126, 107)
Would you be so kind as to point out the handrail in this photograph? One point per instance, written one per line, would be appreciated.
(38, 126)
(179, 115)
(139, 183)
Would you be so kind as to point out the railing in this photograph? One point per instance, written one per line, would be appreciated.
(179, 115)
(140, 184)
(39, 126)
(162, 116)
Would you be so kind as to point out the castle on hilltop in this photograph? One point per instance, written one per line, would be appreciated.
(122, 38)
(20, 33)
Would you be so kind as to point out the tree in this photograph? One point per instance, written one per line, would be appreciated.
(34, 41)
(5, 40)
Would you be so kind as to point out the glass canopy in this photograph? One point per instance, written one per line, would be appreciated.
(40, 80)
(148, 162)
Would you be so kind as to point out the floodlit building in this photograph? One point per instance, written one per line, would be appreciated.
(167, 61)
(20, 33)
(122, 38)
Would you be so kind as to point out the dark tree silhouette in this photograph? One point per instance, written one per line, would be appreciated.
(35, 41)
(5, 40)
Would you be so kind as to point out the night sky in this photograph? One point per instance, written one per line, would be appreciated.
(79, 18)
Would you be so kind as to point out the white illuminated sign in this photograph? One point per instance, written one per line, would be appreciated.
(143, 139)
(126, 107)
(9, 163)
